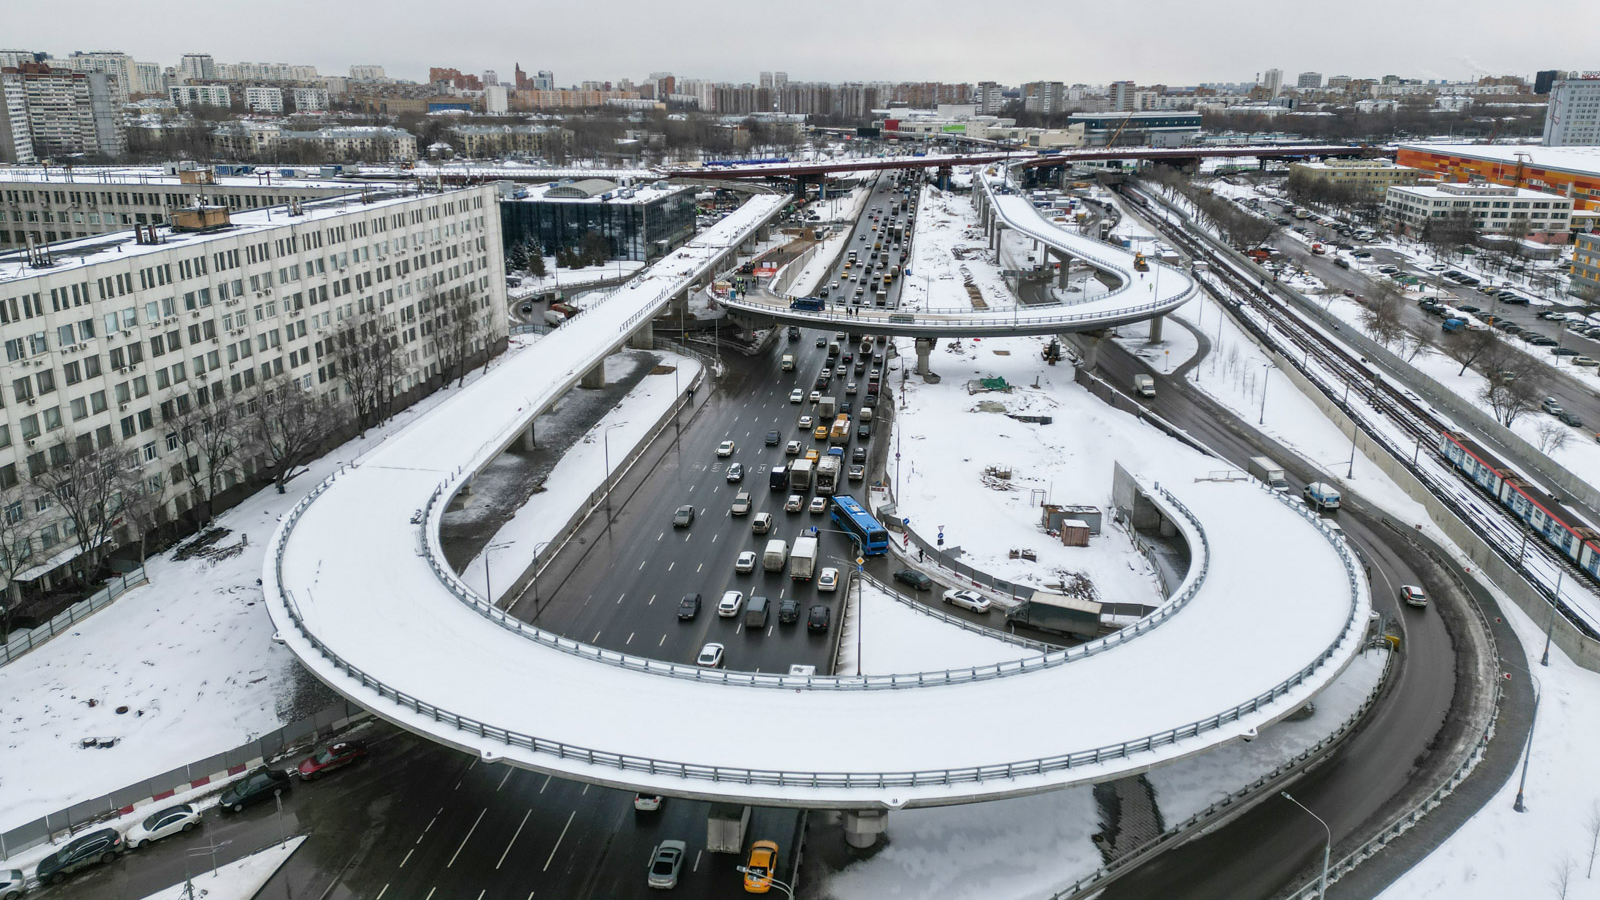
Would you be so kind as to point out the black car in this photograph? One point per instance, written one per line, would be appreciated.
(1569, 419)
(915, 579)
(789, 611)
(794, 333)
(684, 517)
(859, 454)
(847, 359)
(817, 619)
(259, 785)
(822, 342)
(863, 432)
(773, 439)
(872, 399)
(100, 846)
(689, 606)
(846, 407)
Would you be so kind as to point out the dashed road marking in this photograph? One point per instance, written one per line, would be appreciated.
(465, 839)
(513, 840)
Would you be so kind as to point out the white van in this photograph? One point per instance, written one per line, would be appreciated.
(774, 557)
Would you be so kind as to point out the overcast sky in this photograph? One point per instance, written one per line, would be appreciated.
(1157, 41)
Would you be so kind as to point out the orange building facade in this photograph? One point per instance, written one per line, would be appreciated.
(1581, 183)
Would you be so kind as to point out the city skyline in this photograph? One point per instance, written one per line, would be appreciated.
(1180, 46)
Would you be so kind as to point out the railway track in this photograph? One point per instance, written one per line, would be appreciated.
(1407, 427)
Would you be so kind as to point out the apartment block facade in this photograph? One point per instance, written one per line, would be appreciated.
(1490, 208)
(54, 113)
(108, 346)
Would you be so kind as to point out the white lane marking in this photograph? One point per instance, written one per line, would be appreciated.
(467, 838)
(504, 780)
(699, 567)
(546, 783)
(408, 857)
(652, 600)
(630, 638)
(663, 640)
(430, 893)
(596, 638)
(661, 535)
(513, 838)
(671, 564)
(641, 564)
(696, 861)
(624, 594)
(714, 538)
(382, 892)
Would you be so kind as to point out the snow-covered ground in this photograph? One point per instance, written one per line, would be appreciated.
(892, 638)
(190, 655)
(1502, 853)
(947, 443)
(947, 251)
(555, 278)
(845, 208)
(241, 879)
(567, 485)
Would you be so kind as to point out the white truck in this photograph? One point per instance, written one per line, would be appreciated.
(1322, 496)
(828, 468)
(1144, 385)
(788, 362)
(826, 409)
(1268, 473)
(800, 475)
(804, 558)
(777, 553)
(725, 826)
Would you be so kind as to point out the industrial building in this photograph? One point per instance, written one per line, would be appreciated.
(1570, 171)
(1152, 129)
(1372, 175)
(640, 222)
(110, 339)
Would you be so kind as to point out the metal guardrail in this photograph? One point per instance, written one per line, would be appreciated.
(842, 780)
(23, 642)
(1096, 880)
(959, 622)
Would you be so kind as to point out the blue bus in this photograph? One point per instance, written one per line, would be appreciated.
(854, 519)
(815, 304)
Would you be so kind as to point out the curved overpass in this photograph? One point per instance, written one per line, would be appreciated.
(1138, 295)
(356, 584)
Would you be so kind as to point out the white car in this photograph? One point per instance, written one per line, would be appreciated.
(796, 395)
(968, 600)
(795, 503)
(792, 448)
(746, 562)
(828, 580)
(816, 396)
(805, 423)
(710, 656)
(730, 604)
(819, 505)
(646, 802)
(165, 823)
(725, 448)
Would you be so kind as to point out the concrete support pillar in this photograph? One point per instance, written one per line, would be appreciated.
(644, 337)
(530, 438)
(1089, 343)
(595, 378)
(994, 236)
(1066, 266)
(1155, 329)
(862, 826)
(924, 351)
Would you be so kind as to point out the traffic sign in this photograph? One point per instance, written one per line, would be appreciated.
(905, 520)
(860, 561)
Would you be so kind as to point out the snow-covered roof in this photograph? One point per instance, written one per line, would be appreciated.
(1572, 160)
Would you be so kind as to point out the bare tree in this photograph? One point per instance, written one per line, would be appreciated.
(1552, 436)
(1466, 346)
(213, 440)
(16, 550)
(1561, 876)
(458, 327)
(367, 352)
(288, 427)
(88, 483)
(1382, 315)
(142, 508)
(1514, 385)
(1592, 824)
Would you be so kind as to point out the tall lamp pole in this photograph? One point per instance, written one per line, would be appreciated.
(1527, 749)
(605, 440)
(1327, 849)
(1266, 368)
(488, 591)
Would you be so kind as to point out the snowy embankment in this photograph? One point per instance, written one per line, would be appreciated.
(846, 210)
(949, 251)
(556, 279)
(954, 445)
(887, 636)
(241, 879)
(581, 470)
(190, 656)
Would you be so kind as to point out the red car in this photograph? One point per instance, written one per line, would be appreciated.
(332, 757)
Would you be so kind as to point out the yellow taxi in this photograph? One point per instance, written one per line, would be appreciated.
(820, 432)
(812, 454)
(758, 871)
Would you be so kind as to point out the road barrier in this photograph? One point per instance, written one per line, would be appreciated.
(23, 642)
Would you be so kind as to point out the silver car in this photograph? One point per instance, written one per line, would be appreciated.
(665, 864)
(169, 821)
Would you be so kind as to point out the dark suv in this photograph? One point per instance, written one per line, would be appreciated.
(789, 611)
(101, 846)
(915, 579)
(253, 788)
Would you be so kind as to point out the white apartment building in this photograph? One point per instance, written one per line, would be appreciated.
(111, 340)
(59, 112)
(197, 67)
(110, 63)
(201, 95)
(367, 73)
(259, 98)
(1573, 115)
(1491, 209)
(1309, 81)
(310, 99)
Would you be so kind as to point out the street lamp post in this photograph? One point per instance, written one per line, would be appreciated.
(1350, 472)
(488, 591)
(787, 890)
(1265, 371)
(1550, 625)
(605, 440)
(1327, 849)
(1527, 749)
